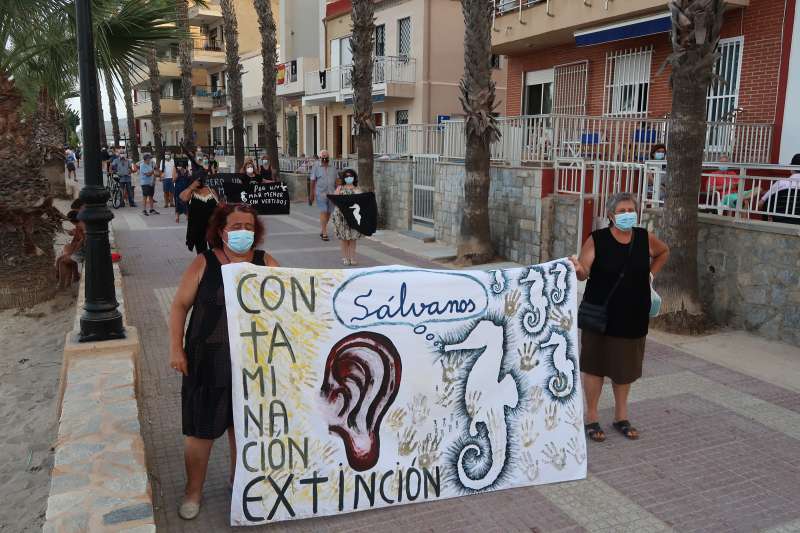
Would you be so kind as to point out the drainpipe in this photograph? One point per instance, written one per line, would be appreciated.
(426, 70)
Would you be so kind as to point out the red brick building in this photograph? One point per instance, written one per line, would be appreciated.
(607, 58)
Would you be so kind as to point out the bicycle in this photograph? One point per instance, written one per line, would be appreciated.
(114, 192)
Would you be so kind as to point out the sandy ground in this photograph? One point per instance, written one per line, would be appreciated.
(31, 346)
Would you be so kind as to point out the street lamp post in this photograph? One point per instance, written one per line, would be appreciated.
(101, 319)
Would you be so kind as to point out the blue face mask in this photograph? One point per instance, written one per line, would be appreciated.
(240, 240)
(660, 155)
(349, 180)
(625, 221)
(724, 167)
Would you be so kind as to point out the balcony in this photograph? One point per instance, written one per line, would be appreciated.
(199, 16)
(172, 104)
(521, 26)
(392, 77)
(207, 53)
(292, 75)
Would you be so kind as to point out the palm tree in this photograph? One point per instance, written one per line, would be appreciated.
(112, 108)
(363, 61)
(132, 145)
(234, 70)
(269, 56)
(185, 61)
(478, 100)
(155, 101)
(102, 122)
(695, 33)
(38, 63)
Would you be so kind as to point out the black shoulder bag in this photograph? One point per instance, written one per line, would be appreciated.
(594, 317)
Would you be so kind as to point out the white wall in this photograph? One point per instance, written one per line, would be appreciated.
(790, 137)
(299, 31)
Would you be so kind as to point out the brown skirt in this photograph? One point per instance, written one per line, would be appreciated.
(615, 357)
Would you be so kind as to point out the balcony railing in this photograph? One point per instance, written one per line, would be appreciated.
(543, 138)
(386, 69)
(208, 45)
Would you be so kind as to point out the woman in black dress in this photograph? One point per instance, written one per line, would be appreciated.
(201, 202)
(619, 262)
(203, 356)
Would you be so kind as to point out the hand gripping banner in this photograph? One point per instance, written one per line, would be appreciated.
(359, 389)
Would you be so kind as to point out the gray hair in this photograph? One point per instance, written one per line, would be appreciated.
(614, 201)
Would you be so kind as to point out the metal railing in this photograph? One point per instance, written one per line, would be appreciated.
(208, 45)
(544, 138)
(744, 191)
(386, 69)
(303, 165)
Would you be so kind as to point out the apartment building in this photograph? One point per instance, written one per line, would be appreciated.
(418, 51)
(211, 103)
(605, 57)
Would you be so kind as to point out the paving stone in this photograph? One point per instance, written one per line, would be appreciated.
(128, 514)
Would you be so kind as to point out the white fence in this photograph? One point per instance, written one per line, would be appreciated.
(386, 69)
(303, 165)
(747, 191)
(543, 138)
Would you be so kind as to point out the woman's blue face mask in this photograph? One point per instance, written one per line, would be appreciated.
(625, 221)
(660, 156)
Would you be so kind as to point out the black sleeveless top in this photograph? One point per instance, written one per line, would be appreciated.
(206, 341)
(629, 307)
(197, 221)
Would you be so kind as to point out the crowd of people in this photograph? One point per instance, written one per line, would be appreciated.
(619, 264)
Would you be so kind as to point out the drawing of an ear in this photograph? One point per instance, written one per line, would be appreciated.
(362, 377)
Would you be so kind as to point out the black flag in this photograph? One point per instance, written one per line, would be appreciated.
(359, 210)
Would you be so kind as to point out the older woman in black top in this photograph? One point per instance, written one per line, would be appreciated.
(618, 261)
(203, 356)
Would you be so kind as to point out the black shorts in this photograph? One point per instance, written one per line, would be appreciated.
(148, 190)
(71, 167)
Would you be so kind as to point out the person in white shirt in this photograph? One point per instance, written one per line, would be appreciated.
(168, 180)
(791, 205)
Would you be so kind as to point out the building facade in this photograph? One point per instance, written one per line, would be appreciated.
(211, 102)
(418, 51)
(607, 58)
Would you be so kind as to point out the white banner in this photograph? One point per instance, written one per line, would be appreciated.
(359, 389)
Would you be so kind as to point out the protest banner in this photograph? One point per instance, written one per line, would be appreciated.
(366, 388)
(360, 211)
(266, 198)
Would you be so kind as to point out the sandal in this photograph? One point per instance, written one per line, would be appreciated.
(594, 432)
(628, 431)
(325, 238)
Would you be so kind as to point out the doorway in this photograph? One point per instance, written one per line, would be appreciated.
(291, 135)
(311, 146)
(338, 132)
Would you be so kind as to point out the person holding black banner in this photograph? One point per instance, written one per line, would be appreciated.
(264, 169)
(619, 262)
(201, 201)
(347, 236)
(202, 356)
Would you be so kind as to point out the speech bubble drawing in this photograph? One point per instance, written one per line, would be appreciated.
(403, 297)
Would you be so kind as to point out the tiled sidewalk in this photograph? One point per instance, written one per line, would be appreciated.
(720, 451)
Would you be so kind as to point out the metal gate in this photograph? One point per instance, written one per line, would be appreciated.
(424, 187)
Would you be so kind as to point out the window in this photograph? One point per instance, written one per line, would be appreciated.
(380, 40)
(538, 96)
(215, 82)
(627, 82)
(341, 54)
(569, 82)
(404, 36)
(401, 116)
(723, 92)
(495, 62)
(262, 135)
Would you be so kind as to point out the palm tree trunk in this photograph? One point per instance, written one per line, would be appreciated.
(477, 98)
(102, 121)
(234, 70)
(266, 24)
(155, 102)
(48, 137)
(696, 25)
(363, 34)
(133, 144)
(112, 108)
(185, 59)
(29, 220)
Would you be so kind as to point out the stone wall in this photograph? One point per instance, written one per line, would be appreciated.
(99, 481)
(560, 226)
(393, 191)
(298, 185)
(515, 206)
(749, 274)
